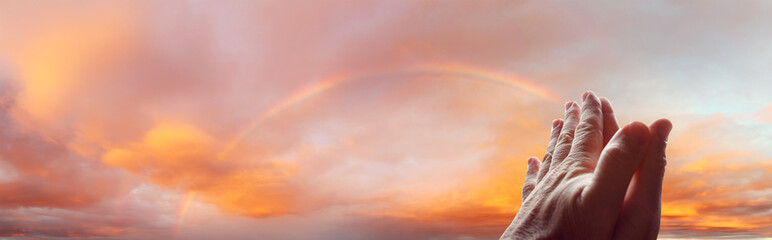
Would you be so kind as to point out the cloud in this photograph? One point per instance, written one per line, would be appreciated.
(179, 155)
(46, 190)
(142, 213)
(765, 115)
(136, 104)
(715, 186)
(41, 172)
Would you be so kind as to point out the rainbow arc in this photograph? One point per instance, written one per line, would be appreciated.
(466, 71)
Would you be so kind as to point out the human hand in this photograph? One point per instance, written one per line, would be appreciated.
(595, 182)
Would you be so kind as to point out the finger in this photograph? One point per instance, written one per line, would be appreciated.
(641, 211)
(563, 146)
(589, 132)
(557, 124)
(610, 124)
(617, 163)
(530, 177)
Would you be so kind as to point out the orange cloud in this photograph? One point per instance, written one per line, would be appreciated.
(179, 155)
(710, 189)
(114, 111)
(37, 172)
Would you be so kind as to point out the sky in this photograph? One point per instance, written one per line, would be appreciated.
(363, 119)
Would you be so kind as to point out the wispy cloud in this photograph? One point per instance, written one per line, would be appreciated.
(397, 119)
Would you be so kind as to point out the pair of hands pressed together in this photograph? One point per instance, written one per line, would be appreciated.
(595, 181)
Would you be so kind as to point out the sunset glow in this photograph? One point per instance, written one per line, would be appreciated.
(363, 119)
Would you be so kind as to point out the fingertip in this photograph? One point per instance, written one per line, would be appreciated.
(591, 101)
(661, 128)
(572, 107)
(589, 95)
(533, 166)
(637, 131)
(534, 161)
(555, 123)
(606, 105)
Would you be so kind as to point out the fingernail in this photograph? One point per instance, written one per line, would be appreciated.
(584, 96)
(555, 123)
(530, 160)
(568, 105)
(637, 131)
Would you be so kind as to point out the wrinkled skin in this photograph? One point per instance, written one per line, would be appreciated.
(596, 181)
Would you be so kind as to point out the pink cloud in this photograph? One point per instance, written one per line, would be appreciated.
(132, 105)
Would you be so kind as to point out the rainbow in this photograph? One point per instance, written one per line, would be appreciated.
(183, 209)
(290, 100)
(469, 72)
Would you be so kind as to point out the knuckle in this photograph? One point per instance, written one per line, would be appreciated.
(545, 166)
(566, 137)
(659, 162)
(617, 157)
(561, 154)
(657, 165)
(547, 157)
(658, 158)
(617, 153)
(527, 188)
(576, 170)
(664, 162)
(580, 156)
(589, 126)
(555, 132)
(591, 107)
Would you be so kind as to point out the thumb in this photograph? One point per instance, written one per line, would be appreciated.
(616, 166)
(530, 176)
(640, 215)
